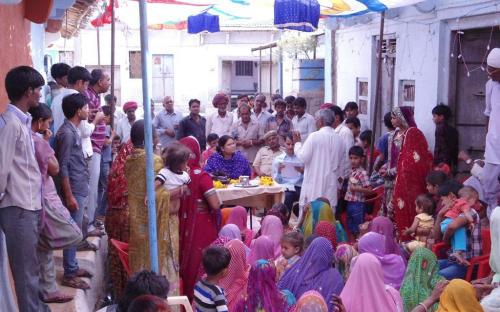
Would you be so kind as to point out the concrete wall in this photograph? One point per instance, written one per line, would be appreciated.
(198, 59)
(423, 51)
(15, 40)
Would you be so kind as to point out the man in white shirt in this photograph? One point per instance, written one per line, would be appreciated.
(166, 123)
(221, 121)
(246, 133)
(491, 170)
(302, 122)
(322, 154)
(347, 138)
(124, 126)
(242, 99)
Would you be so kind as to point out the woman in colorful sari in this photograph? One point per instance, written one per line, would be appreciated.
(365, 290)
(117, 216)
(318, 210)
(273, 228)
(409, 161)
(420, 279)
(384, 226)
(343, 257)
(262, 293)
(261, 248)
(311, 301)
(393, 266)
(239, 217)
(235, 282)
(314, 271)
(459, 296)
(167, 228)
(197, 216)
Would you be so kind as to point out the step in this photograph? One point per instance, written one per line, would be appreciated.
(95, 263)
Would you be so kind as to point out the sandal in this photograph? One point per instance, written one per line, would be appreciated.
(75, 282)
(86, 246)
(83, 273)
(57, 297)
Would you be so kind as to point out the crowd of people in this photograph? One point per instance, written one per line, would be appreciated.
(354, 233)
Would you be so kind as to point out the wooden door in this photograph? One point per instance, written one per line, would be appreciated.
(467, 86)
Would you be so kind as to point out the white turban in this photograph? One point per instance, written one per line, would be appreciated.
(494, 58)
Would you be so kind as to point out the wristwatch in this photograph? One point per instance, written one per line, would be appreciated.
(468, 161)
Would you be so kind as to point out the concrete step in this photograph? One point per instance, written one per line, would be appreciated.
(95, 263)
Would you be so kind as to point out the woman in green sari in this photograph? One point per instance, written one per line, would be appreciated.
(166, 226)
(420, 279)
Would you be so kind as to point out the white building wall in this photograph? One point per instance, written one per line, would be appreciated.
(423, 52)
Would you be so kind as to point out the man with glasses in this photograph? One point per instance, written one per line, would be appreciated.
(491, 170)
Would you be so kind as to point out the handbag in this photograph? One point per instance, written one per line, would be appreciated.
(58, 230)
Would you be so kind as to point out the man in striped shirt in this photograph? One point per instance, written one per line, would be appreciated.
(208, 297)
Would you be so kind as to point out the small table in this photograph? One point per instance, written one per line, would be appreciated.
(259, 196)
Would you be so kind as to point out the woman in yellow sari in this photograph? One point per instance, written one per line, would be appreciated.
(167, 226)
(316, 211)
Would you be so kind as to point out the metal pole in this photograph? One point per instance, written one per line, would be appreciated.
(270, 74)
(260, 71)
(98, 47)
(112, 73)
(280, 72)
(378, 90)
(148, 136)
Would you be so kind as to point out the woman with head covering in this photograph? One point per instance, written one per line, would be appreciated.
(273, 228)
(459, 296)
(311, 301)
(230, 231)
(420, 279)
(167, 228)
(117, 216)
(261, 248)
(365, 290)
(384, 226)
(314, 271)
(343, 257)
(235, 282)
(225, 213)
(316, 211)
(239, 216)
(281, 211)
(197, 217)
(393, 266)
(409, 161)
(262, 293)
(325, 229)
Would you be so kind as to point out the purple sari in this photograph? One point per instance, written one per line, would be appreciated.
(314, 271)
(393, 266)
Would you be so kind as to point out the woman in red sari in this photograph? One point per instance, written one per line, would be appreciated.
(197, 218)
(117, 216)
(409, 162)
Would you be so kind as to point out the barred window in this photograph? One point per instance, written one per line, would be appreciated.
(244, 68)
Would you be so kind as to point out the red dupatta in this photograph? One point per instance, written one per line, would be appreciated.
(414, 163)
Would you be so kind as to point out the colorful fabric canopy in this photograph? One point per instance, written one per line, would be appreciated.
(203, 22)
(302, 15)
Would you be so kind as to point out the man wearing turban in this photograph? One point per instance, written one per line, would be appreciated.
(125, 124)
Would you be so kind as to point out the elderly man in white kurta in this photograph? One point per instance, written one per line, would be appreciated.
(322, 154)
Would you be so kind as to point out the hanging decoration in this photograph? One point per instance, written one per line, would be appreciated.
(203, 22)
(302, 15)
(105, 17)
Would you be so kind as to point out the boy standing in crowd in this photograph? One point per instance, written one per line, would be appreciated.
(446, 146)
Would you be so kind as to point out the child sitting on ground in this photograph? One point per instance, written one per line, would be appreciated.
(174, 176)
(358, 187)
(457, 201)
(292, 244)
(422, 224)
(212, 140)
(208, 297)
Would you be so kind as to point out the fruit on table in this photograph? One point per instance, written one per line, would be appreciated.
(219, 185)
(266, 181)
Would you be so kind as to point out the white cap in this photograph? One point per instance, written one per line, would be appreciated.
(494, 58)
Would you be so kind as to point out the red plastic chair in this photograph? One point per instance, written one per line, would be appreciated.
(122, 249)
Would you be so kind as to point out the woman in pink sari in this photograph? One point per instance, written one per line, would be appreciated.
(239, 216)
(273, 228)
(261, 248)
(236, 280)
(365, 290)
(197, 218)
(409, 161)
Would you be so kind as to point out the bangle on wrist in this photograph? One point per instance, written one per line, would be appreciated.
(423, 305)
